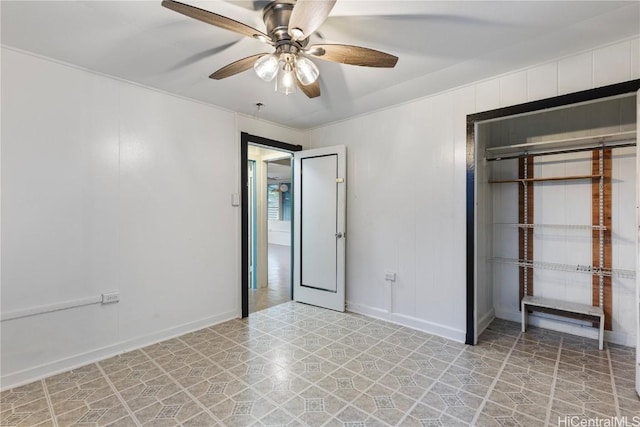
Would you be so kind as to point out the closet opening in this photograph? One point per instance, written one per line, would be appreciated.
(551, 215)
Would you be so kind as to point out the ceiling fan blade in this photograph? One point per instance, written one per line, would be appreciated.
(352, 55)
(307, 16)
(236, 67)
(312, 90)
(215, 19)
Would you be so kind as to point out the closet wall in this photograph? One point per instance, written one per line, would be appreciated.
(557, 203)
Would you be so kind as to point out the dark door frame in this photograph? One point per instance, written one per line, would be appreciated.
(245, 140)
(528, 107)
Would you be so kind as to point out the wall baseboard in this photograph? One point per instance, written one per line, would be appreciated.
(485, 320)
(566, 325)
(36, 373)
(408, 321)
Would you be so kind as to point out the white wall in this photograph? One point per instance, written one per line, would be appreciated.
(279, 232)
(484, 244)
(406, 186)
(256, 154)
(106, 186)
(259, 127)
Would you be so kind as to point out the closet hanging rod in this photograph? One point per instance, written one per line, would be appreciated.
(561, 146)
(542, 179)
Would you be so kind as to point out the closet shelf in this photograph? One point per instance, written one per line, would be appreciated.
(588, 269)
(564, 226)
(553, 178)
(512, 151)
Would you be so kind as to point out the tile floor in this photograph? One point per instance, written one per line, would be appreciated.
(298, 365)
(279, 279)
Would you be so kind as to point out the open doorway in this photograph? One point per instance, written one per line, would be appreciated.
(267, 213)
(279, 216)
(270, 211)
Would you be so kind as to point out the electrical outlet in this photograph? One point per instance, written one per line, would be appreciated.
(390, 276)
(110, 297)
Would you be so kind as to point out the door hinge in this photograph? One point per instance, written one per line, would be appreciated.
(340, 180)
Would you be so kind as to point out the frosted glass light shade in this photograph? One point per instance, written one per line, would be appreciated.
(266, 67)
(306, 71)
(286, 81)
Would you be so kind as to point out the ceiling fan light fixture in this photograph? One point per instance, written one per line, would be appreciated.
(306, 71)
(266, 67)
(286, 81)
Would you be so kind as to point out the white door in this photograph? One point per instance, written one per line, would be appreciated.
(638, 244)
(319, 227)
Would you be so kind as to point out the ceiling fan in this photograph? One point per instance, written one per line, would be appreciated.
(289, 24)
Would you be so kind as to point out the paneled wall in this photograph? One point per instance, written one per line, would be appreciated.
(111, 186)
(406, 187)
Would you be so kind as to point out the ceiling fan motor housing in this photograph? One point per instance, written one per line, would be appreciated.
(276, 18)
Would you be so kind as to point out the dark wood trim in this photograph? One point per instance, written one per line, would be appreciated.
(528, 107)
(559, 101)
(245, 140)
(471, 201)
(595, 220)
(269, 143)
(244, 195)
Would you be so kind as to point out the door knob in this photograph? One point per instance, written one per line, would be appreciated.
(338, 235)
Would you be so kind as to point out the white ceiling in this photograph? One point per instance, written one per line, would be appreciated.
(441, 44)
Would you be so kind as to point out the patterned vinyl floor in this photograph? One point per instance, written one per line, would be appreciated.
(297, 365)
(278, 290)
